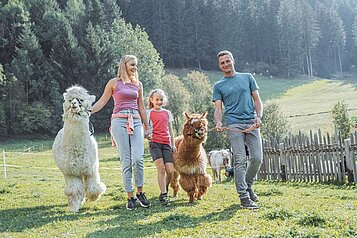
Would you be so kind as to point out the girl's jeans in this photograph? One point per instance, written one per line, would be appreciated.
(131, 151)
(243, 175)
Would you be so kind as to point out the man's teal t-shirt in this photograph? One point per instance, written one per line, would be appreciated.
(236, 94)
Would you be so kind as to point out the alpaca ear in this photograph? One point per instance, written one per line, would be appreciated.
(187, 116)
(92, 99)
(204, 115)
(64, 95)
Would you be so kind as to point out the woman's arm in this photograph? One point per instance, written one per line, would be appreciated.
(142, 110)
(108, 90)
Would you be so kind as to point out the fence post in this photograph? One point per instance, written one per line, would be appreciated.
(3, 155)
(349, 162)
(282, 162)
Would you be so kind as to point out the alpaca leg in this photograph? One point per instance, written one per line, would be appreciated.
(188, 183)
(204, 182)
(174, 184)
(94, 188)
(74, 190)
(216, 175)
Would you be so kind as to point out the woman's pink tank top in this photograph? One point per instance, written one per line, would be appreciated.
(125, 96)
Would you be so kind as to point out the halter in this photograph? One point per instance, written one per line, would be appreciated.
(196, 130)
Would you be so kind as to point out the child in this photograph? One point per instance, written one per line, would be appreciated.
(161, 141)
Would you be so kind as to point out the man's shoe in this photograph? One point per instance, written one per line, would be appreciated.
(252, 195)
(246, 202)
(164, 199)
(131, 205)
(144, 202)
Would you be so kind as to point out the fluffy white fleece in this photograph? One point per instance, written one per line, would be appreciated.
(76, 151)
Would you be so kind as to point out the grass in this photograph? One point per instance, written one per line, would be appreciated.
(309, 105)
(32, 204)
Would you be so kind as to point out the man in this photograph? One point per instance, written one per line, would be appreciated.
(243, 111)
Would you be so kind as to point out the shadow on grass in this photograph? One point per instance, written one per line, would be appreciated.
(153, 221)
(20, 219)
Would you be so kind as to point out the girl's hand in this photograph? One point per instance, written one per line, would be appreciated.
(147, 134)
(174, 150)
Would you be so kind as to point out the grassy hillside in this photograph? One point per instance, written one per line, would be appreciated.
(306, 102)
(309, 105)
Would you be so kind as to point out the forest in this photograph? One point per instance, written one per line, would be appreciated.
(48, 45)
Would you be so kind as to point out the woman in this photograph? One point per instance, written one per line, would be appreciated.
(128, 119)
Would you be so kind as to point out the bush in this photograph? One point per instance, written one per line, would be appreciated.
(341, 119)
(274, 124)
(34, 119)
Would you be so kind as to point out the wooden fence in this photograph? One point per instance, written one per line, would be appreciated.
(313, 158)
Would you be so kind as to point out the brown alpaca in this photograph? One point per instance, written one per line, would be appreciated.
(190, 160)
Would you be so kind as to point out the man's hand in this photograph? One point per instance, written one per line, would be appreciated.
(219, 126)
(257, 122)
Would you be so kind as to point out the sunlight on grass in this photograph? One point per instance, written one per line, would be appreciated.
(32, 204)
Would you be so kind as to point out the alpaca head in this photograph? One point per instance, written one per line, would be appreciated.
(77, 103)
(196, 126)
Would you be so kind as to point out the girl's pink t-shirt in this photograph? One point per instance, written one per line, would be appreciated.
(159, 121)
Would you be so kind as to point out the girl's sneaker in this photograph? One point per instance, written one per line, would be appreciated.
(164, 199)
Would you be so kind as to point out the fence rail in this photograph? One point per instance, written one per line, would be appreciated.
(313, 158)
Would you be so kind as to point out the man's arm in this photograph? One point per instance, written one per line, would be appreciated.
(218, 115)
(258, 105)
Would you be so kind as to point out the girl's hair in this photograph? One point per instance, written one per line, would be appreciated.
(122, 73)
(158, 91)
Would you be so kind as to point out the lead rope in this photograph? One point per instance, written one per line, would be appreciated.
(248, 130)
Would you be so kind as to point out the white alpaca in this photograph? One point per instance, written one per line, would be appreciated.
(219, 159)
(75, 150)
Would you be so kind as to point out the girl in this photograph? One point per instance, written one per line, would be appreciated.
(127, 123)
(161, 141)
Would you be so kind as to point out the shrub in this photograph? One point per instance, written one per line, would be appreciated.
(341, 119)
(274, 123)
(35, 118)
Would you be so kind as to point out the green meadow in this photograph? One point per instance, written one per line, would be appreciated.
(32, 202)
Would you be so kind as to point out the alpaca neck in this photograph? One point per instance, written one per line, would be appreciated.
(76, 130)
(191, 146)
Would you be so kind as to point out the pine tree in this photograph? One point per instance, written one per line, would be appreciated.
(27, 65)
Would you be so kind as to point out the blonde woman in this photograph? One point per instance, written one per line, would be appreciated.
(127, 125)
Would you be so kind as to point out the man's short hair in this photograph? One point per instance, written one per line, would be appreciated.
(225, 52)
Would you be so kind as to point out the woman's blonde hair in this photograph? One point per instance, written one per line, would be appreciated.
(158, 91)
(122, 73)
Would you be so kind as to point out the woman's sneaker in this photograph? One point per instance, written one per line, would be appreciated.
(131, 205)
(144, 202)
(164, 199)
